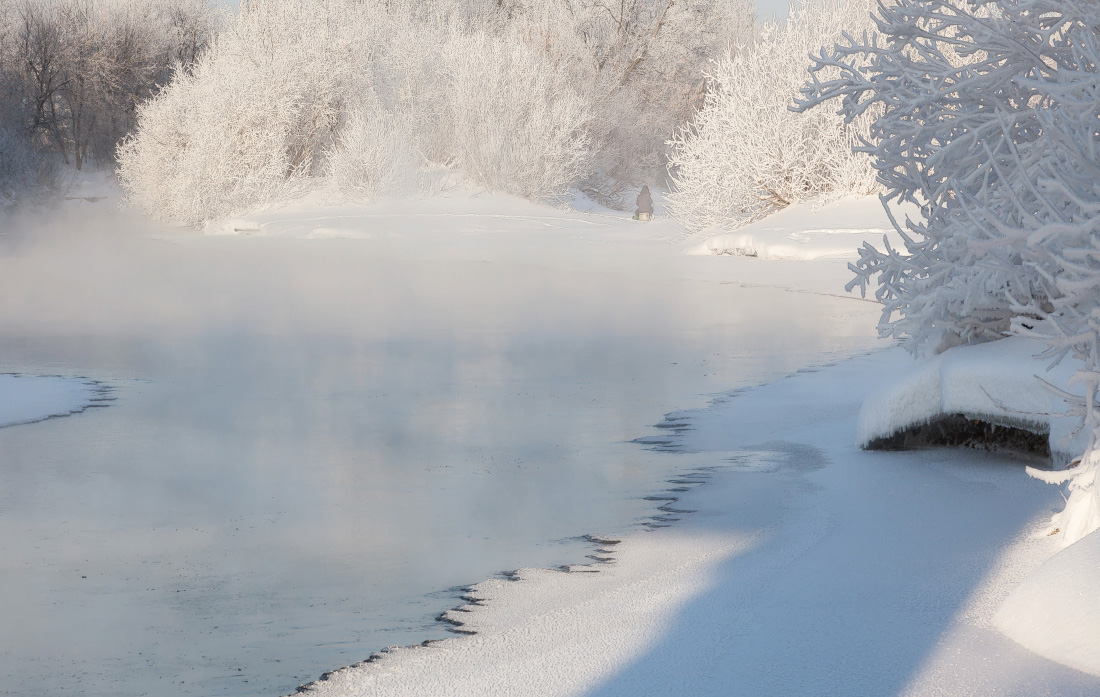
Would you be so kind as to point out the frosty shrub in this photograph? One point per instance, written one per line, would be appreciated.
(517, 124)
(745, 154)
(638, 63)
(989, 123)
(362, 93)
(370, 157)
(249, 123)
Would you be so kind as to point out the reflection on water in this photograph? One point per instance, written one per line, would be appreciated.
(313, 442)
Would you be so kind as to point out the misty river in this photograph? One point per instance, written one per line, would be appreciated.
(316, 444)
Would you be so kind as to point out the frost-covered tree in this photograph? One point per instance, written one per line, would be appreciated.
(991, 124)
(20, 163)
(81, 66)
(363, 92)
(640, 65)
(745, 155)
(249, 122)
(534, 143)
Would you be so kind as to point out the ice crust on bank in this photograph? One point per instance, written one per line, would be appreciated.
(999, 382)
(30, 398)
(553, 633)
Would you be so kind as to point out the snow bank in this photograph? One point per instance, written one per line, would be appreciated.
(807, 231)
(581, 630)
(27, 399)
(808, 567)
(1055, 612)
(461, 224)
(996, 382)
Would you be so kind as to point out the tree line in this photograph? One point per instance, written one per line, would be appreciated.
(72, 73)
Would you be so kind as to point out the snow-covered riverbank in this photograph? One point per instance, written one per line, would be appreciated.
(808, 567)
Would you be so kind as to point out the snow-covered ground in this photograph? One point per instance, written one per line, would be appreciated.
(1000, 382)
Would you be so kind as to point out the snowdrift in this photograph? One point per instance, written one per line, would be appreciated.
(1055, 613)
(998, 383)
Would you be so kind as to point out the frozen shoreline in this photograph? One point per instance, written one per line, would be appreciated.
(808, 566)
(257, 473)
(28, 399)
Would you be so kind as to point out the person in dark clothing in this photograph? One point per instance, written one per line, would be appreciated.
(645, 205)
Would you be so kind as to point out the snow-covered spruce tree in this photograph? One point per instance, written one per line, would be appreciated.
(745, 154)
(990, 124)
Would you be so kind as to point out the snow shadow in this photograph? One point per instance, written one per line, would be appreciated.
(873, 564)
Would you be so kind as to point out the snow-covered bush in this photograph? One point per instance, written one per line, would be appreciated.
(638, 63)
(249, 123)
(371, 156)
(364, 93)
(990, 113)
(745, 154)
(517, 124)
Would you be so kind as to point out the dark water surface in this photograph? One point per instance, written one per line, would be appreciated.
(313, 441)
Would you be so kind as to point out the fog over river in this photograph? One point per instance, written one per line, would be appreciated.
(315, 442)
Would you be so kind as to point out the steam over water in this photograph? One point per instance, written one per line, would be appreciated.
(314, 439)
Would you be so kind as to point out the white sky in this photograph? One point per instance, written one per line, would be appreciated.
(774, 7)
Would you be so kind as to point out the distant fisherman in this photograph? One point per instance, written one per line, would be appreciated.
(645, 205)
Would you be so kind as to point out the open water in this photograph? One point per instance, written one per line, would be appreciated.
(316, 444)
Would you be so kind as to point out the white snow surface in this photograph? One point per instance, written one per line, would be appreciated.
(1054, 611)
(808, 566)
(808, 231)
(586, 237)
(30, 398)
(1000, 382)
